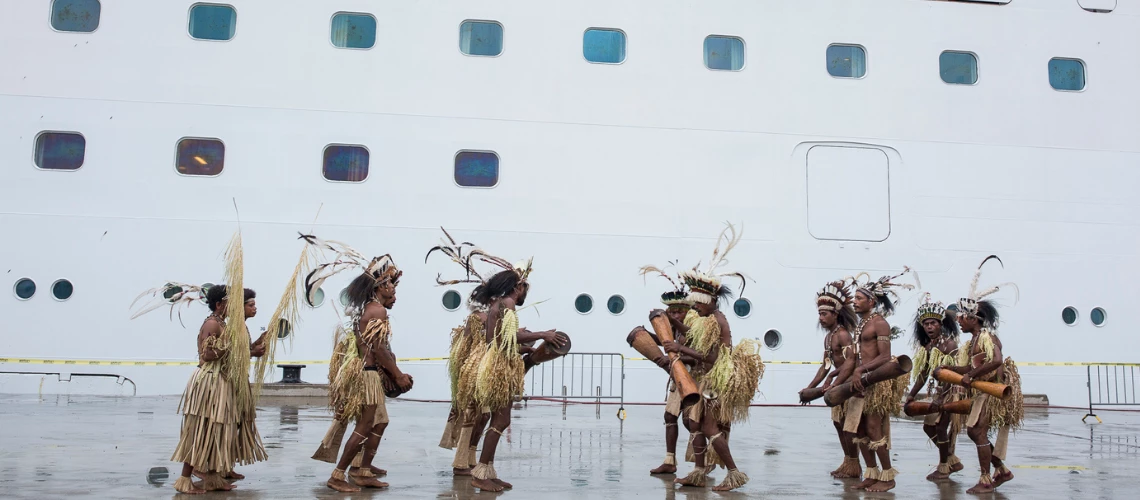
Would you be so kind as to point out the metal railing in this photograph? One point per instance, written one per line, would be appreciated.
(1110, 385)
(580, 376)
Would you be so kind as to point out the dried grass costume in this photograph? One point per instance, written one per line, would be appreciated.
(836, 297)
(926, 359)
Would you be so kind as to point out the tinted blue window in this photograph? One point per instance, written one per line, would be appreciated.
(25, 288)
(346, 163)
(846, 61)
(481, 38)
(201, 156)
(354, 31)
(724, 52)
(476, 169)
(60, 150)
(1067, 74)
(212, 22)
(75, 15)
(603, 46)
(958, 68)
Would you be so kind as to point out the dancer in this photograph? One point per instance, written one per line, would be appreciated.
(499, 377)
(838, 319)
(982, 358)
(726, 375)
(363, 367)
(677, 308)
(935, 342)
(875, 300)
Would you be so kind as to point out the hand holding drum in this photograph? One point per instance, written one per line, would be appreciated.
(1000, 391)
(918, 408)
(895, 368)
(681, 377)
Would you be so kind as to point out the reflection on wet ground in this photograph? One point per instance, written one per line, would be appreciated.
(64, 446)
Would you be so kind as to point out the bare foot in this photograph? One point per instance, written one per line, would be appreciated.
(1003, 478)
(881, 486)
(937, 476)
(844, 474)
(665, 469)
(227, 487)
(838, 470)
(981, 488)
(504, 484)
(369, 482)
(690, 480)
(957, 467)
(234, 476)
(193, 491)
(341, 486)
(460, 472)
(485, 484)
(863, 484)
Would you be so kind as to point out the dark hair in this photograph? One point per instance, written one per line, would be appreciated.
(845, 317)
(950, 325)
(920, 338)
(883, 302)
(500, 285)
(360, 292)
(987, 313)
(217, 293)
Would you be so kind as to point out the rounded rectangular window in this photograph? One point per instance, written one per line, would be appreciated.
(477, 168)
(60, 150)
(481, 38)
(200, 156)
(344, 163)
(724, 53)
(1067, 74)
(353, 31)
(605, 46)
(81, 16)
(846, 61)
(958, 68)
(212, 21)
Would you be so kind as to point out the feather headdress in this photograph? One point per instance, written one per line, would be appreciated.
(523, 267)
(833, 297)
(969, 304)
(454, 251)
(705, 286)
(173, 294)
(675, 297)
(929, 309)
(883, 290)
(382, 269)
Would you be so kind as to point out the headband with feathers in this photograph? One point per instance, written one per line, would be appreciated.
(454, 251)
(705, 286)
(883, 290)
(523, 267)
(834, 296)
(675, 297)
(173, 294)
(382, 269)
(969, 304)
(929, 309)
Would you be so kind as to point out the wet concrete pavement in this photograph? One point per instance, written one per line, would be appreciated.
(57, 447)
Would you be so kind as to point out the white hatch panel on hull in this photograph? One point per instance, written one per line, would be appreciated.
(848, 193)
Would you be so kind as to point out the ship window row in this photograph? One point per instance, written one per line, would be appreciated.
(25, 289)
(484, 38)
(206, 157)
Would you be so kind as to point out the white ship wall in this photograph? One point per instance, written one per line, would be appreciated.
(604, 168)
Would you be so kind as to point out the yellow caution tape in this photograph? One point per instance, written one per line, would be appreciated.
(100, 362)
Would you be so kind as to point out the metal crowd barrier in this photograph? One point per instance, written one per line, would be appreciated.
(580, 376)
(1110, 385)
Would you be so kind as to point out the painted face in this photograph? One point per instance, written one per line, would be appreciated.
(931, 326)
(827, 319)
(250, 308)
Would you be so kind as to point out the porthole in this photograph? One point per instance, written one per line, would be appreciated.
(344, 298)
(1069, 315)
(170, 292)
(318, 298)
(773, 339)
(205, 289)
(451, 300)
(952, 308)
(25, 288)
(584, 303)
(62, 289)
(284, 328)
(742, 307)
(616, 304)
(1098, 316)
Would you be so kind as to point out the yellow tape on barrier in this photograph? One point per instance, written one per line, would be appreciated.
(99, 362)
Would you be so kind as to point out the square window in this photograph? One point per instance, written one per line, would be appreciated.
(833, 174)
(212, 22)
(353, 31)
(846, 61)
(200, 156)
(477, 168)
(958, 68)
(345, 163)
(80, 16)
(481, 38)
(724, 53)
(60, 150)
(603, 46)
(1067, 74)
